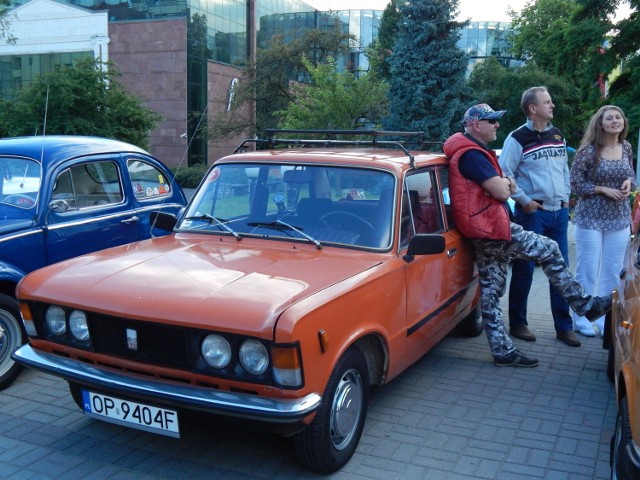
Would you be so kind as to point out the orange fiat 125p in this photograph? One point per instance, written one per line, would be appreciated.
(297, 278)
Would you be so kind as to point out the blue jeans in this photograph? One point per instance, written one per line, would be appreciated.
(553, 225)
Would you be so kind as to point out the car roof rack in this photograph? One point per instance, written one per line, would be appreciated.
(331, 139)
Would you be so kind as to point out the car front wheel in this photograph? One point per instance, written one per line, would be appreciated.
(11, 337)
(331, 439)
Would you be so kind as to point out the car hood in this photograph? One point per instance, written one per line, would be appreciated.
(241, 286)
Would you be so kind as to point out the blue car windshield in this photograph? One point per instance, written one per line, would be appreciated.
(342, 206)
(19, 182)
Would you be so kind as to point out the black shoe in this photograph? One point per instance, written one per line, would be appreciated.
(569, 338)
(599, 307)
(523, 333)
(516, 359)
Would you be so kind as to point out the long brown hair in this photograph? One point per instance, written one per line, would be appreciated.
(594, 134)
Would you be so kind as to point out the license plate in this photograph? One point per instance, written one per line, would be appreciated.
(131, 414)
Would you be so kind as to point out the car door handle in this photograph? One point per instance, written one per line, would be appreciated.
(452, 252)
(131, 220)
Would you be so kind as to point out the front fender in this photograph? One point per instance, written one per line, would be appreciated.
(10, 273)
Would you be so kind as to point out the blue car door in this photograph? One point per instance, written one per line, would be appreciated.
(153, 190)
(89, 208)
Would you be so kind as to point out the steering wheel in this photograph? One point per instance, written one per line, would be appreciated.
(344, 221)
(19, 200)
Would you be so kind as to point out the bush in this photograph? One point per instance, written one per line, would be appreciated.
(190, 177)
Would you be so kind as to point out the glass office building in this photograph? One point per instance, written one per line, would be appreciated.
(362, 24)
(480, 40)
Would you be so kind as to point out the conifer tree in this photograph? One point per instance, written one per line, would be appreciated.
(427, 91)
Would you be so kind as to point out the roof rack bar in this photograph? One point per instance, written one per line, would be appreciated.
(272, 139)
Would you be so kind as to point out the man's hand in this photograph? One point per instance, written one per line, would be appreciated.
(499, 188)
(531, 207)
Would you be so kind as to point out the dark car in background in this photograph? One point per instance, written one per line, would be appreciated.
(65, 196)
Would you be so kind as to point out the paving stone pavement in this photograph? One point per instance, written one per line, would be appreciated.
(453, 415)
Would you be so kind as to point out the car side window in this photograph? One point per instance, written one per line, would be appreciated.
(420, 208)
(88, 185)
(443, 177)
(148, 182)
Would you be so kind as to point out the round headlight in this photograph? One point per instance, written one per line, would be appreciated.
(78, 325)
(56, 320)
(254, 357)
(216, 351)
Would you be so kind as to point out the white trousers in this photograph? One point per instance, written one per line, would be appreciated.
(599, 259)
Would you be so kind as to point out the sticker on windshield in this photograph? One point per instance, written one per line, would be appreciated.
(215, 173)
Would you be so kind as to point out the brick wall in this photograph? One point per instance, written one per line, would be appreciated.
(152, 57)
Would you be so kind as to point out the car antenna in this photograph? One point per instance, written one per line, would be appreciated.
(44, 122)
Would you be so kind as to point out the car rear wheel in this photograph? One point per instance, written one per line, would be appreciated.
(11, 337)
(471, 325)
(619, 442)
(331, 439)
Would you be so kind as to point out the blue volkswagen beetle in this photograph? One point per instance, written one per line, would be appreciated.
(64, 196)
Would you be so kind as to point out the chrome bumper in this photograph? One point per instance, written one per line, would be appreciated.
(190, 397)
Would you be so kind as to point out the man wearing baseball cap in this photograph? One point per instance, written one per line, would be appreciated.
(479, 192)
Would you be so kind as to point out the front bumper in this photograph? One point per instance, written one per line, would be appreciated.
(242, 405)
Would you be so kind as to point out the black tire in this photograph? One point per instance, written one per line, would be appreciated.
(11, 337)
(621, 438)
(471, 325)
(75, 394)
(331, 439)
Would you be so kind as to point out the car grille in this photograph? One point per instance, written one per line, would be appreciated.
(156, 344)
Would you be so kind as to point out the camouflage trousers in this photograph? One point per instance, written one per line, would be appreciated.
(493, 257)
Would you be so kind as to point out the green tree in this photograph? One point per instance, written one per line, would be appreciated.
(624, 90)
(267, 81)
(82, 99)
(502, 88)
(380, 49)
(428, 91)
(540, 29)
(5, 27)
(567, 38)
(334, 100)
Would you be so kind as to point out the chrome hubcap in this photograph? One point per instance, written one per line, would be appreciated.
(346, 409)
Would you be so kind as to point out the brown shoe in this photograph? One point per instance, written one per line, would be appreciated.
(523, 333)
(569, 338)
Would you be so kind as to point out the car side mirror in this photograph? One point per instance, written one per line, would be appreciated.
(424, 244)
(163, 220)
(58, 206)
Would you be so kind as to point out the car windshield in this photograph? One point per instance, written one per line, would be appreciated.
(316, 204)
(19, 181)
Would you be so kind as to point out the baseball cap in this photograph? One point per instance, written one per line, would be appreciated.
(482, 111)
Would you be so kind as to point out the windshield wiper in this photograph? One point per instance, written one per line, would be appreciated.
(214, 220)
(280, 225)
